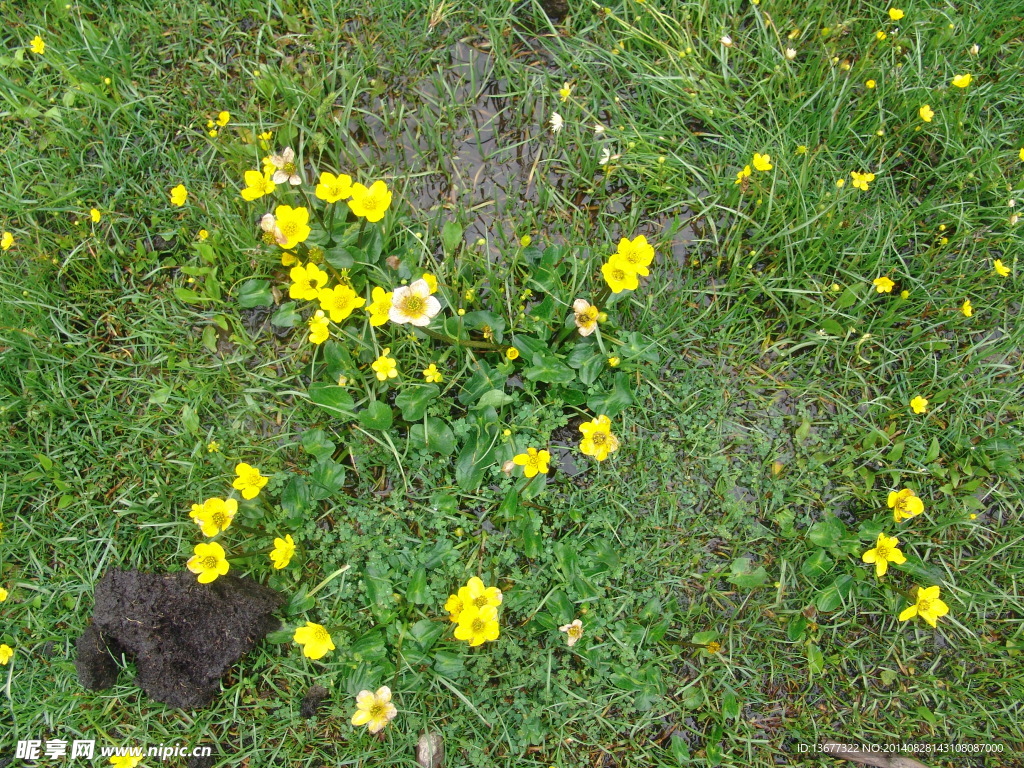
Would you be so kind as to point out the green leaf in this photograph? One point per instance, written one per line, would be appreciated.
(316, 443)
(529, 529)
(326, 479)
(378, 585)
(796, 628)
(847, 299)
(341, 257)
(377, 415)
(434, 434)
(190, 419)
(369, 647)
(730, 706)
(933, 451)
(494, 398)
(448, 664)
(287, 316)
(451, 236)
(831, 327)
(612, 403)
(334, 399)
(417, 591)
(210, 338)
(832, 596)
(818, 564)
(296, 499)
(255, 293)
(414, 399)
(742, 576)
(426, 632)
(190, 296)
(474, 459)
(827, 532)
(550, 370)
(815, 659)
(896, 453)
(483, 379)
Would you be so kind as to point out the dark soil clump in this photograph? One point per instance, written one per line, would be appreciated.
(312, 700)
(183, 635)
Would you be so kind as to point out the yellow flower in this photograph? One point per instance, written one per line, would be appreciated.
(614, 362)
(380, 307)
(573, 631)
(904, 505)
(962, 81)
(370, 203)
(319, 330)
(1001, 269)
(512, 353)
(861, 180)
(333, 188)
(476, 595)
(565, 92)
(895, 14)
(525, 240)
(598, 440)
(223, 118)
(454, 606)
(713, 647)
(762, 162)
(214, 133)
(430, 280)
(285, 168)
(477, 625)
(258, 184)
(3, 594)
(743, 174)
(904, 294)
(5, 653)
(883, 284)
(928, 606)
(289, 259)
(36, 45)
(213, 447)
(966, 308)
(432, 375)
(214, 515)
(840, 183)
(374, 710)
(533, 462)
(585, 315)
(636, 255)
(284, 550)
(339, 302)
(306, 282)
(385, 367)
(885, 552)
(125, 761)
(314, 639)
(178, 195)
(880, 35)
(208, 561)
(1021, 154)
(413, 304)
(926, 113)
(293, 225)
(919, 404)
(202, 234)
(249, 481)
(870, 84)
(95, 215)
(618, 278)
(6, 241)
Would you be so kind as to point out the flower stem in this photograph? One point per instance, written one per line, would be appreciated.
(464, 342)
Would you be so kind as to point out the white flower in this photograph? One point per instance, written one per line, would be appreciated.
(269, 224)
(606, 156)
(574, 632)
(975, 49)
(598, 129)
(286, 168)
(726, 41)
(791, 53)
(556, 122)
(413, 304)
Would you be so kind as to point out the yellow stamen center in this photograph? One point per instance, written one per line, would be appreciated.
(209, 562)
(598, 438)
(413, 305)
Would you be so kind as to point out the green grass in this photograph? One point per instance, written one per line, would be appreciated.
(755, 462)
